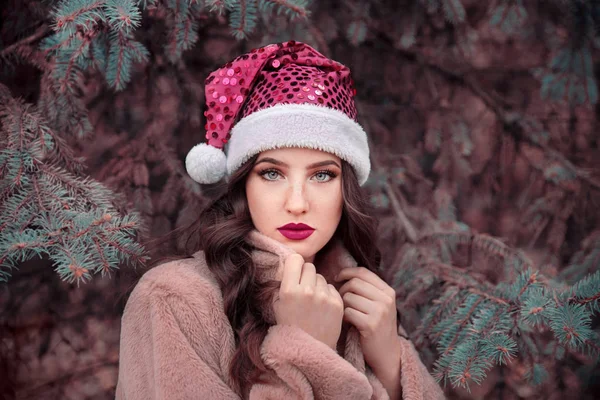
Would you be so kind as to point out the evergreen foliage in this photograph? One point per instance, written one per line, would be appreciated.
(49, 211)
(81, 41)
(476, 325)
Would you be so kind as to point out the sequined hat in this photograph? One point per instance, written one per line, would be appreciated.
(281, 95)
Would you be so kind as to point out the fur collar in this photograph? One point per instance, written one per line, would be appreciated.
(269, 255)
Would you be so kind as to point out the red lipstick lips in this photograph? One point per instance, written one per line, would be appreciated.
(296, 231)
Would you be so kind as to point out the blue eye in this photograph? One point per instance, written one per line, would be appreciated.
(266, 172)
(271, 172)
(326, 174)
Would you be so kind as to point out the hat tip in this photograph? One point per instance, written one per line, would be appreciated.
(206, 164)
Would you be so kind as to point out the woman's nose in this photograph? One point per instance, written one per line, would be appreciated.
(296, 201)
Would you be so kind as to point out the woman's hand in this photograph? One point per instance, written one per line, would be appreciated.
(370, 305)
(306, 300)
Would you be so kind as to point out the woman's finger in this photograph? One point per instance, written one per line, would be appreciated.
(367, 276)
(292, 271)
(363, 288)
(334, 291)
(359, 303)
(357, 318)
(309, 275)
(321, 283)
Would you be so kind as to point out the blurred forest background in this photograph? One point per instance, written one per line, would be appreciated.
(486, 178)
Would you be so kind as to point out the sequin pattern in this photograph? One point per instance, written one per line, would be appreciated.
(283, 73)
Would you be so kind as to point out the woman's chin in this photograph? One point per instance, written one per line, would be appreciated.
(306, 250)
(307, 247)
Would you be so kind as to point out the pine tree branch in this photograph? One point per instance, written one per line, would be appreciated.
(241, 29)
(592, 345)
(532, 279)
(423, 329)
(40, 32)
(508, 118)
(462, 323)
(132, 254)
(300, 11)
(80, 188)
(71, 65)
(38, 195)
(493, 321)
(586, 300)
(409, 229)
(57, 237)
(67, 18)
(15, 214)
(446, 272)
(105, 263)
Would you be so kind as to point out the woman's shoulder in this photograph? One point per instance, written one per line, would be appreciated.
(186, 278)
(179, 297)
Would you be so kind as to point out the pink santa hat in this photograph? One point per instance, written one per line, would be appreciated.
(281, 95)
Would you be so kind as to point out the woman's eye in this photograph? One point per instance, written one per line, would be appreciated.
(268, 174)
(323, 175)
(274, 174)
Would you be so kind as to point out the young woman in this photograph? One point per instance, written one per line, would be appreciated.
(283, 299)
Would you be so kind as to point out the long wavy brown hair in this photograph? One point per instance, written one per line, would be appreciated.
(222, 227)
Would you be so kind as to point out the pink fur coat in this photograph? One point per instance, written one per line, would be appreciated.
(177, 343)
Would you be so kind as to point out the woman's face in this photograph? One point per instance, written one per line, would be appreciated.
(287, 186)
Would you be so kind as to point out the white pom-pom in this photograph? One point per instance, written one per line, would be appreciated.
(206, 163)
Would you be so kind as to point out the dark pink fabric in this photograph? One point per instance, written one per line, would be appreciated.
(283, 73)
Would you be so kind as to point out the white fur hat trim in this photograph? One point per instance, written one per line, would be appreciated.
(300, 125)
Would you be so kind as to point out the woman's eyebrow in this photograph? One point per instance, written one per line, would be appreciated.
(314, 165)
